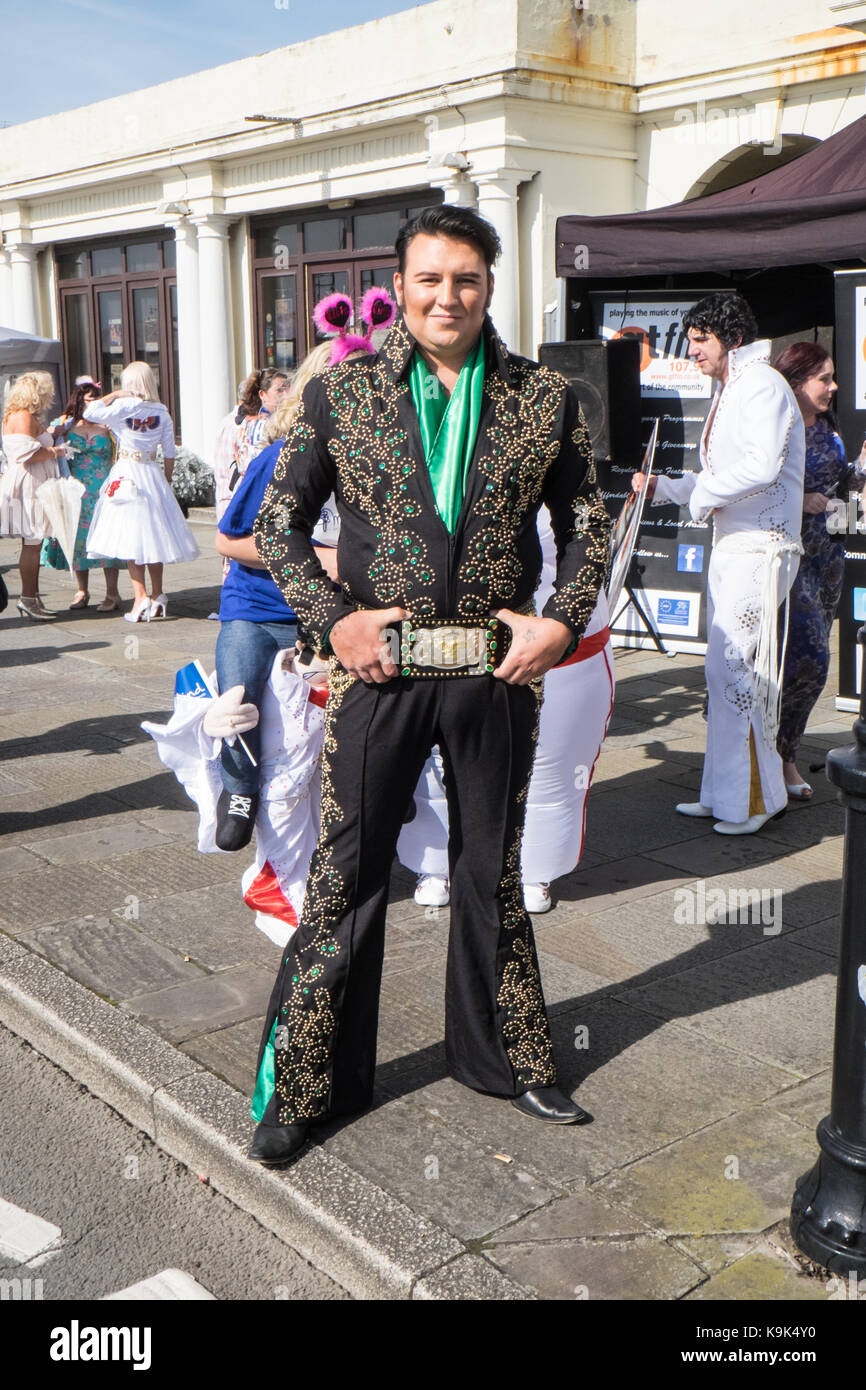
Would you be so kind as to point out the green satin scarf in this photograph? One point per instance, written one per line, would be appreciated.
(449, 427)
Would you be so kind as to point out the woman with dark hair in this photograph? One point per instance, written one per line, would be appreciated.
(89, 456)
(262, 393)
(817, 588)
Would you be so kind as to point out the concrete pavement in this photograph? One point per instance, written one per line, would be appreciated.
(702, 1052)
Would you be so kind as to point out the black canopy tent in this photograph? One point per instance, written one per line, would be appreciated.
(810, 210)
(23, 352)
(793, 241)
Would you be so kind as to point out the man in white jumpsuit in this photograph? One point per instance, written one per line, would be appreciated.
(751, 483)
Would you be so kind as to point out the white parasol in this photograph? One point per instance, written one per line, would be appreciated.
(61, 503)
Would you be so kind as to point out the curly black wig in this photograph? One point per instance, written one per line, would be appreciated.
(727, 315)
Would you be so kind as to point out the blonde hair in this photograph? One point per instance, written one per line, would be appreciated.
(32, 391)
(316, 363)
(138, 377)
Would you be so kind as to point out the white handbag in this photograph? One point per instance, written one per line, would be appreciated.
(121, 489)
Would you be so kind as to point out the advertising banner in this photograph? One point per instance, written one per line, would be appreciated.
(850, 408)
(672, 553)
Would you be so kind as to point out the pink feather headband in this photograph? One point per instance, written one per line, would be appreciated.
(334, 315)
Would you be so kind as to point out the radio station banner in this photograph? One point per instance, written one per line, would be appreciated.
(672, 554)
(850, 408)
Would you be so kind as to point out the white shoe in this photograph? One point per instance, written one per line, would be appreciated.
(432, 891)
(536, 897)
(694, 808)
(746, 827)
(140, 613)
(158, 606)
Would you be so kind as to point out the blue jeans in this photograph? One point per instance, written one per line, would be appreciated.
(244, 656)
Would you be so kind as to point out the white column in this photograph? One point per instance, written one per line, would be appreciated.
(497, 201)
(218, 390)
(457, 189)
(25, 296)
(189, 336)
(5, 287)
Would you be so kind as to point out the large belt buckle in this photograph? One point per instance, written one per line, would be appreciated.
(447, 648)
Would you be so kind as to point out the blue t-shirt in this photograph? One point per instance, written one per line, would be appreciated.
(249, 593)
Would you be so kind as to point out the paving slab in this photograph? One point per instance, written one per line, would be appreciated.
(714, 1253)
(646, 938)
(708, 854)
(806, 1103)
(170, 868)
(230, 1053)
(49, 895)
(18, 860)
(211, 925)
(821, 936)
(452, 1181)
(761, 1278)
(471, 1277)
(212, 1001)
(112, 957)
(580, 1215)
(733, 1176)
(106, 843)
(649, 822)
(643, 1268)
(598, 885)
(774, 1002)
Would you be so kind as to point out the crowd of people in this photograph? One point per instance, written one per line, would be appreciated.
(120, 450)
(384, 515)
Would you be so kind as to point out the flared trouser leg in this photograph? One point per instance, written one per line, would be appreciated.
(742, 773)
(497, 1037)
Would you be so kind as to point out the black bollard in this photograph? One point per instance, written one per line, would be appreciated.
(828, 1214)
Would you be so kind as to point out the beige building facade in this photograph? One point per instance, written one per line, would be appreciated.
(195, 223)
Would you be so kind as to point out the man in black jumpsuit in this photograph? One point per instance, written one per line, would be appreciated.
(417, 661)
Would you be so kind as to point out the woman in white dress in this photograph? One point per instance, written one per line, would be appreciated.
(137, 517)
(31, 459)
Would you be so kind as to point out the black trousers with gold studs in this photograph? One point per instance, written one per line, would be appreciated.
(318, 1050)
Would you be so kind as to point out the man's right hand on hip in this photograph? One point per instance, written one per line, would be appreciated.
(359, 643)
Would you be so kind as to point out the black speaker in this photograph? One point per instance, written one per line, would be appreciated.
(606, 376)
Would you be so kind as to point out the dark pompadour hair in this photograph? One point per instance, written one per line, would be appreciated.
(725, 314)
(461, 224)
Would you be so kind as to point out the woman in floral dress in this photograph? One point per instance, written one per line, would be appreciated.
(817, 588)
(89, 455)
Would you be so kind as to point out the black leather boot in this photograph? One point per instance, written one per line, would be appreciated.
(548, 1103)
(274, 1145)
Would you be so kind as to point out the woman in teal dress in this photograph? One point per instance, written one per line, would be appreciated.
(89, 455)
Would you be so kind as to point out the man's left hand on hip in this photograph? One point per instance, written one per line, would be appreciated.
(536, 645)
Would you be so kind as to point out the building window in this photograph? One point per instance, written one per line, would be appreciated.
(300, 257)
(118, 304)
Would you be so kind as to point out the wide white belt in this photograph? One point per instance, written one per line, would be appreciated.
(137, 456)
(755, 543)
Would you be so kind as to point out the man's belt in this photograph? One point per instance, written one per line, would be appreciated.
(437, 647)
